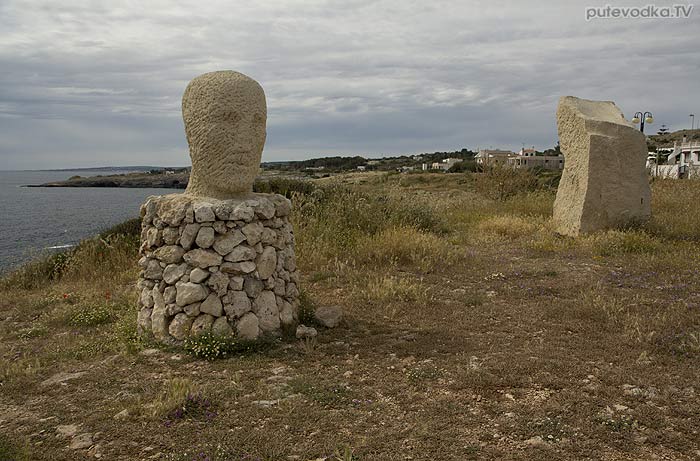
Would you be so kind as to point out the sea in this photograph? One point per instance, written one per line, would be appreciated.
(39, 220)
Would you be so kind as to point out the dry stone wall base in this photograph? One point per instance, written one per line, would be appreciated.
(225, 266)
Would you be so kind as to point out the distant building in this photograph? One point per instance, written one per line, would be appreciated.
(528, 158)
(361, 167)
(683, 161)
(445, 165)
(493, 157)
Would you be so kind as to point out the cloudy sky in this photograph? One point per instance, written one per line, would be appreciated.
(99, 83)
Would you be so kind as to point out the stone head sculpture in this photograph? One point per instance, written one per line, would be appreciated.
(224, 114)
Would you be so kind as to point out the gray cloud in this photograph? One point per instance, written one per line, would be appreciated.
(93, 84)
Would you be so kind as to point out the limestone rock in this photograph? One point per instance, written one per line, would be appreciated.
(205, 237)
(265, 308)
(236, 283)
(202, 324)
(241, 253)
(244, 267)
(169, 254)
(253, 287)
(143, 322)
(304, 332)
(253, 232)
(266, 262)
(240, 304)
(159, 323)
(173, 272)
(169, 295)
(247, 328)
(221, 327)
(604, 184)
(211, 104)
(203, 212)
(243, 212)
(153, 270)
(189, 233)
(224, 244)
(180, 326)
(198, 275)
(218, 282)
(329, 316)
(212, 305)
(188, 293)
(203, 258)
(170, 235)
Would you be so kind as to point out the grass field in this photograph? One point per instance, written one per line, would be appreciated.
(471, 331)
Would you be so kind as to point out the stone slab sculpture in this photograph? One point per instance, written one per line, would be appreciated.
(604, 184)
(219, 258)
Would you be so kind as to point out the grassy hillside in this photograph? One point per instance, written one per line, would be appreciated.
(472, 331)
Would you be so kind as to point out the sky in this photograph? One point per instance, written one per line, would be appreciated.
(88, 83)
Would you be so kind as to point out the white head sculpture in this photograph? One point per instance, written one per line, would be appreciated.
(225, 115)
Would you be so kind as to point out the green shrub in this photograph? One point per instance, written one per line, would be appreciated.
(283, 186)
(209, 346)
(499, 182)
(90, 315)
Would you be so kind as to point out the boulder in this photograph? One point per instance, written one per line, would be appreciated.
(304, 332)
(205, 237)
(212, 305)
(189, 234)
(169, 254)
(241, 253)
(247, 328)
(240, 304)
(202, 324)
(266, 262)
(329, 316)
(202, 258)
(221, 327)
(198, 275)
(224, 244)
(188, 293)
(180, 326)
(173, 272)
(604, 184)
(265, 308)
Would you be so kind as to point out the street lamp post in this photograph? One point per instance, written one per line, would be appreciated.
(641, 118)
(692, 121)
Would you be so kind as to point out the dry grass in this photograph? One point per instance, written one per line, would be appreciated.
(466, 319)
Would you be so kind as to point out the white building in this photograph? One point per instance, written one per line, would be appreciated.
(528, 158)
(493, 156)
(682, 162)
(445, 165)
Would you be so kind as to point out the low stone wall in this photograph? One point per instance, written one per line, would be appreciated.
(225, 266)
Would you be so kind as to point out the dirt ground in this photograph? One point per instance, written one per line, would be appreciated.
(505, 350)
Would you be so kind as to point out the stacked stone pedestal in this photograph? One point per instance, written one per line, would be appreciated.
(225, 266)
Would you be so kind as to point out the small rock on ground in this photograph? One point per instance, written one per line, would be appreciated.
(329, 316)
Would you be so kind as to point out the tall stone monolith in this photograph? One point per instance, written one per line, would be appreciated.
(219, 258)
(604, 184)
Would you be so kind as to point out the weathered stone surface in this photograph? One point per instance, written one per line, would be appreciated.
(244, 267)
(265, 209)
(201, 324)
(153, 270)
(143, 322)
(169, 294)
(173, 272)
(169, 254)
(286, 312)
(266, 262)
(304, 332)
(224, 244)
(329, 316)
(236, 283)
(241, 253)
(159, 323)
(202, 258)
(203, 212)
(189, 233)
(265, 308)
(221, 327)
(243, 212)
(180, 326)
(253, 287)
(170, 235)
(205, 237)
(188, 293)
(253, 232)
(240, 304)
(248, 328)
(192, 309)
(604, 184)
(218, 282)
(212, 305)
(225, 155)
(198, 275)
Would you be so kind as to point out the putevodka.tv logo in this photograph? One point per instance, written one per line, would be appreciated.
(639, 12)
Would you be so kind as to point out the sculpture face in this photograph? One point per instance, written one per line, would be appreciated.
(225, 115)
